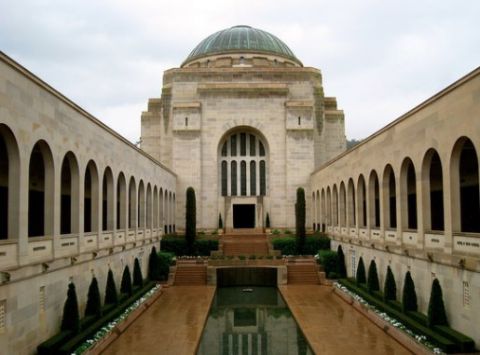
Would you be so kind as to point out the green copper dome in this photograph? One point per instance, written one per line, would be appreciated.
(241, 39)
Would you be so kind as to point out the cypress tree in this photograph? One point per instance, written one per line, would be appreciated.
(126, 285)
(436, 307)
(220, 221)
(300, 220)
(111, 296)
(94, 305)
(373, 284)
(71, 317)
(341, 268)
(409, 297)
(153, 266)
(137, 274)
(267, 221)
(390, 288)
(190, 219)
(361, 277)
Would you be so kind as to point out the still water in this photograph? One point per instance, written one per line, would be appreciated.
(251, 323)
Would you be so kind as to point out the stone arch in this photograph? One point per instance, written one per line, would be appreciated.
(432, 181)
(161, 203)
(329, 207)
(343, 205)
(148, 208)
(408, 194)
(362, 202)
(41, 191)
(9, 184)
(318, 211)
(465, 196)
(351, 205)
(374, 200)
(132, 204)
(69, 194)
(390, 197)
(155, 207)
(141, 205)
(108, 217)
(335, 205)
(121, 201)
(324, 210)
(91, 198)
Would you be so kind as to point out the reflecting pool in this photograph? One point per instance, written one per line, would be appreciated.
(250, 323)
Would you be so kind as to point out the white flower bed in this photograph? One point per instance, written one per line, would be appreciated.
(422, 339)
(107, 329)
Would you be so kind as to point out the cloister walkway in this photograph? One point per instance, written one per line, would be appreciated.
(331, 326)
(172, 325)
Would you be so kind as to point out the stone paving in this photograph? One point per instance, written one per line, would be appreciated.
(331, 326)
(172, 325)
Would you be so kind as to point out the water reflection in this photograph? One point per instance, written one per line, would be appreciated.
(250, 323)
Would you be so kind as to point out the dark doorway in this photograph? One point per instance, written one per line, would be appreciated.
(243, 216)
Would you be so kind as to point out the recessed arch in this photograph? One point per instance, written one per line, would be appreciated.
(374, 200)
(107, 200)
(390, 197)
(408, 194)
(465, 195)
(351, 205)
(41, 191)
(318, 211)
(91, 198)
(69, 194)
(432, 180)
(162, 209)
(9, 183)
(329, 207)
(155, 207)
(141, 205)
(132, 204)
(148, 208)
(343, 205)
(362, 202)
(335, 205)
(121, 201)
(324, 210)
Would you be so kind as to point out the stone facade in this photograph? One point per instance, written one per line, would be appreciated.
(408, 196)
(66, 213)
(201, 106)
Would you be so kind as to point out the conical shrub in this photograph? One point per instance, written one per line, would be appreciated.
(390, 287)
(267, 221)
(220, 221)
(409, 297)
(137, 274)
(111, 296)
(190, 220)
(94, 306)
(436, 307)
(126, 285)
(300, 220)
(373, 284)
(71, 317)
(341, 268)
(153, 266)
(361, 276)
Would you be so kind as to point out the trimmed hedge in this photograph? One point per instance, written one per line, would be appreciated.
(444, 337)
(436, 308)
(300, 221)
(287, 245)
(361, 277)
(409, 296)
(71, 317)
(164, 262)
(341, 268)
(178, 246)
(328, 259)
(372, 283)
(66, 342)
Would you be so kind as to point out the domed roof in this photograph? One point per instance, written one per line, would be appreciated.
(241, 39)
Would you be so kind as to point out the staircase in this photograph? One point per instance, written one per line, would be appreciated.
(302, 272)
(244, 244)
(190, 273)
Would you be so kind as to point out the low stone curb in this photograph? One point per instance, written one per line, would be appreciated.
(400, 336)
(102, 344)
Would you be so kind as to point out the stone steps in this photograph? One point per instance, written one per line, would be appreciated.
(190, 274)
(245, 244)
(302, 273)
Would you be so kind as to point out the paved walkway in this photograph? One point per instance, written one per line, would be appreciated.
(172, 325)
(334, 327)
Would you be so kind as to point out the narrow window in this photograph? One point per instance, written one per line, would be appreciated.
(2, 315)
(224, 178)
(262, 178)
(224, 149)
(243, 178)
(243, 144)
(253, 179)
(299, 120)
(233, 145)
(252, 145)
(261, 148)
(186, 121)
(234, 178)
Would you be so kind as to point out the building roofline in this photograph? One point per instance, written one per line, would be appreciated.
(29, 75)
(464, 79)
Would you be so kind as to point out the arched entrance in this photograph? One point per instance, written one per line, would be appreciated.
(243, 177)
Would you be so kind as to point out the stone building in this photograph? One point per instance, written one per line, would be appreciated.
(244, 123)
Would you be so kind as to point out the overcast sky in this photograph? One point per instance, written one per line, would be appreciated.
(379, 58)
